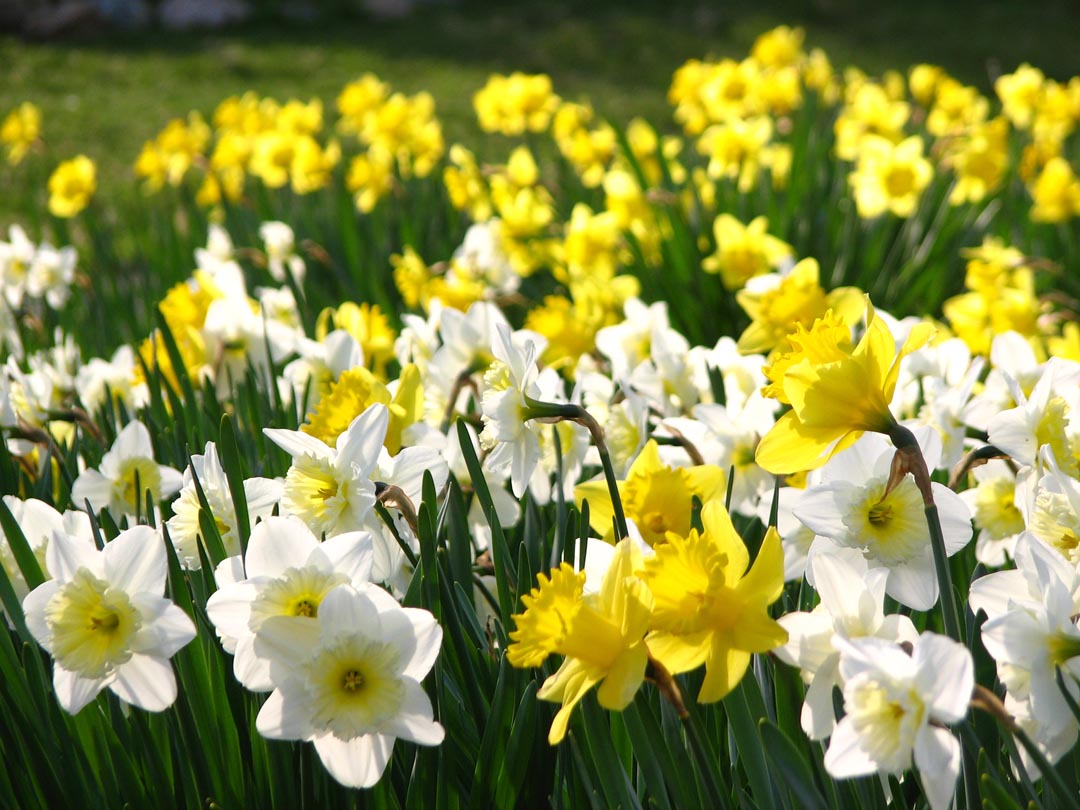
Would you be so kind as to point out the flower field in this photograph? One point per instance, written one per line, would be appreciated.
(724, 461)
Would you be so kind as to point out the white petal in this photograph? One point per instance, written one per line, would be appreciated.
(914, 583)
(347, 609)
(145, 681)
(135, 561)
(73, 691)
(287, 640)
(230, 608)
(358, 762)
(937, 756)
(995, 592)
(281, 719)
(351, 554)
(945, 676)
(955, 518)
(414, 722)
(818, 718)
(424, 637)
(66, 555)
(276, 544)
(34, 610)
(91, 486)
(251, 670)
(359, 445)
(818, 511)
(298, 444)
(133, 442)
(846, 757)
(166, 628)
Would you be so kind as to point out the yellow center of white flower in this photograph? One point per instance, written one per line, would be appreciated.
(886, 719)
(890, 527)
(354, 684)
(297, 592)
(1051, 430)
(92, 625)
(995, 508)
(1054, 522)
(314, 494)
(137, 476)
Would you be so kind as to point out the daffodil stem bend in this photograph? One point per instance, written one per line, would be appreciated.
(557, 411)
(909, 458)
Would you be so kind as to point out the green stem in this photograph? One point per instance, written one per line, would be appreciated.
(909, 459)
(557, 411)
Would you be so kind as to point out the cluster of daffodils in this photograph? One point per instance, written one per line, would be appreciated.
(796, 489)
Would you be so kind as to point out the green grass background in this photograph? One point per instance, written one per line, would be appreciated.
(106, 96)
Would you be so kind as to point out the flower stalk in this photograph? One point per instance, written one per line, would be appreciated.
(558, 411)
(909, 459)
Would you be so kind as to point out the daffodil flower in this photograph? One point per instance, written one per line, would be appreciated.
(106, 622)
(837, 391)
(288, 573)
(127, 472)
(895, 706)
(351, 686)
(658, 498)
(601, 636)
(708, 609)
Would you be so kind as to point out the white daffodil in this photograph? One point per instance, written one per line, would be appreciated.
(351, 686)
(852, 599)
(282, 259)
(261, 495)
(99, 380)
(853, 508)
(51, 274)
(1053, 508)
(508, 432)
(39, 522)
(998, 519)
(16, 259)
(127, 472)
(319, 365)
(1043, 418)
(288, 573)
(1031, 633)
(106, 622)
(330, 488)
(895, 705)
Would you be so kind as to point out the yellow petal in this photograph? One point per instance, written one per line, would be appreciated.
(790, 446)
(623, 679)
(679, 653)
(724, 668)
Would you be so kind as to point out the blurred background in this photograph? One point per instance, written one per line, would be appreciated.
(108, 74)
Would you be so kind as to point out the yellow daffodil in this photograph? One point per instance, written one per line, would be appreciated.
(19, 130)
(707, 608)
(836, 390)
(776, 303)
(71, 186)
(658, 498)
(890, 177)
(744, 251)
(515, 104)
(601, 635)
(370, 327)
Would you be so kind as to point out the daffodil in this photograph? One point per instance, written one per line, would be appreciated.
(601, 636)
(349, 681)
(858, 506)
(896, 707)
(658, 498)
(852, 598)
(330, 488)
(836, 390)
(127, 474)
(260, 495)
(285, 571)
(106, 622)
(707, 608)
(71, 186)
